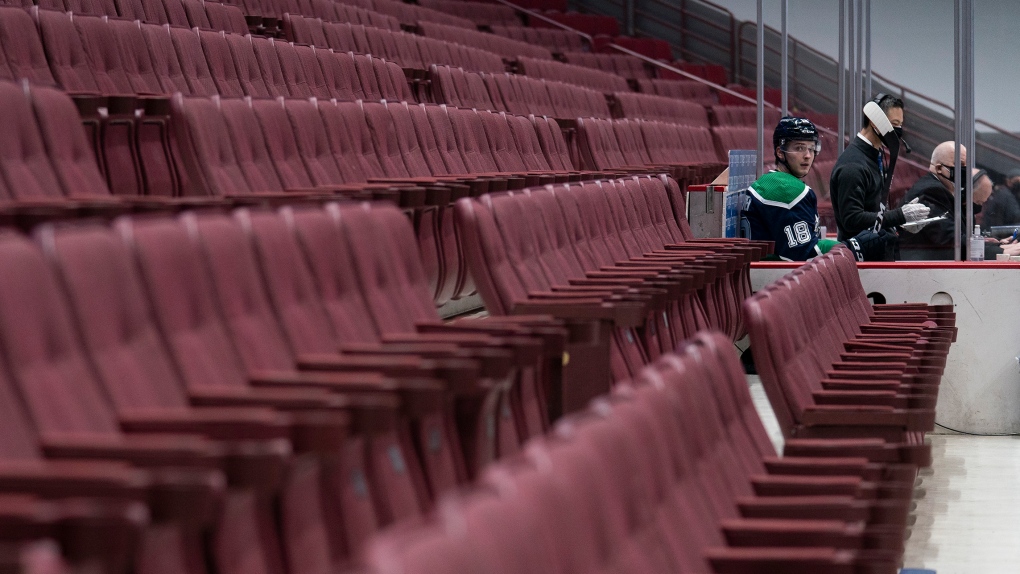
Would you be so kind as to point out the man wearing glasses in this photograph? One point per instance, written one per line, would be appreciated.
(859, 185)
(780, 207)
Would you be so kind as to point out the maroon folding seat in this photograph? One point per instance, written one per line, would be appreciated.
(536, 94)
(193, 63)
(282, 145)
(350, 138)
(314, 146)
(472, 142)
(360, 39)
(475, 91)
(165, 63)
(269, 63)
(393, 81)
(340, 38)
(734, 137)
(380, 43)
(317, 82)
(176, 14)
(25, 57)
(339, 74)
(301, 30)
(365, 68)
(197, 17)
(87, 423)
(239, 343)
(293, 70)
(389, 271)
(130, 10)
(155, 12)
(407, 54)
(250, 147)
(221, 64)
(246, 64)
(73, 159)
(323, 9)
(141, 377)
(135, 59)
(444, 89)
(435, 52)
(554, 146)
(497, 84)
(24, 163)
(226, 18)
(303, 323)
(148, 131)
(103, 53)
(65, 52)
(207, 149)
(528, 146)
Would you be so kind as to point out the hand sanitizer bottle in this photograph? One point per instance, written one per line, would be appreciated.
(977, 245)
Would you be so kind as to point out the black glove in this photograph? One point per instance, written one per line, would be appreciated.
(870, 245)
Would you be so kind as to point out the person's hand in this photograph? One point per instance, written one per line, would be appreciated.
(1012, 249)
(869, 245)
(915, 211)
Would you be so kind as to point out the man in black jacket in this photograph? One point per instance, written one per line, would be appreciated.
(936, 190)
(859, 182)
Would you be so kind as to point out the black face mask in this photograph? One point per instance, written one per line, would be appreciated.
(952, 173)
(1015, 188)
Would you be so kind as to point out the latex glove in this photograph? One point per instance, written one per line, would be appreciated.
(914, 211)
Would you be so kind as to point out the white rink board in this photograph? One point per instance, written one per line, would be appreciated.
(980, 390)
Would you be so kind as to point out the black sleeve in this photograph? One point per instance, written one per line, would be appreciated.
(893, 218)
(850, 183)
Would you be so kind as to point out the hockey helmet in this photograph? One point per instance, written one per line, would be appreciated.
(795, 129)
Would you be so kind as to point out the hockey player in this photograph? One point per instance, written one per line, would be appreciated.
(780, 207)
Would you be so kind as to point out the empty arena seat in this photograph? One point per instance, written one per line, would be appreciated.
(661, 108)
(608, 486)
(554, 39)
(506, 47)
(743, 116)
(620, 64)
(481, 13)
(690, 90)
(411, 14)
(594, 79)
(590, 24)
(815, 381)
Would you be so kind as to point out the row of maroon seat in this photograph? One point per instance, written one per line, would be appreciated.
(551, 70)
(481, 13)
(515, 94)
(506, 47)
(274, 386)
(408, 50)
(556, 40)
(689, 152)
(672, 472)
(849, 369)
(619, 64)
(186, 13)
(614, 250)
(690, 90)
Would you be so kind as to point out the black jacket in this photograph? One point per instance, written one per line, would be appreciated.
(857, 191)
(939, 234)
(1000, 209)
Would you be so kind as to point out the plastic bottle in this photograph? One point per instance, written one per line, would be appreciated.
(977, 245)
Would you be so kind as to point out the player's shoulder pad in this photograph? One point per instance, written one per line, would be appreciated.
(779, 189)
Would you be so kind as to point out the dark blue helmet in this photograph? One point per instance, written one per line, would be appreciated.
(791, 129)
